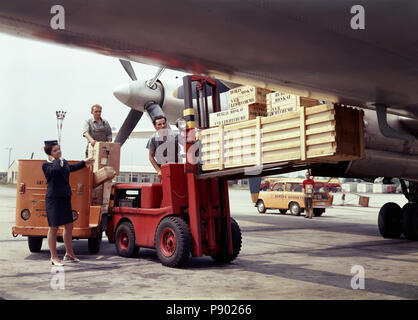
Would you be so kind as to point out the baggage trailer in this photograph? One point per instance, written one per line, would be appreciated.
(31, 220)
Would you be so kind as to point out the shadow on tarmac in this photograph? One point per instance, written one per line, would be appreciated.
(300, 273)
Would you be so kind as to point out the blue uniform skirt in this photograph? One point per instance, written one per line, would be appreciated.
(58, 211)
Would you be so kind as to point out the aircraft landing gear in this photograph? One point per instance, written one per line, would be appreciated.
(393, 221)
(410, 221)
(410, 211)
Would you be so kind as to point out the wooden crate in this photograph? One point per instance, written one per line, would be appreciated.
(328, 133)
(105, 154)
(273, 111)
(101, 194)
(278, 100)
(237, 114)
(246, 95)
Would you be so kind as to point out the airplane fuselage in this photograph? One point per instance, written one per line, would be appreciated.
(306, 47)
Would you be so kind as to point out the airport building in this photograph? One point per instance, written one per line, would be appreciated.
(12, 172)
(3, 176)
(139, 174)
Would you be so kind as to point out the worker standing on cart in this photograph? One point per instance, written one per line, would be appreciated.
(96, 129)
(308, 188)
(58, 199)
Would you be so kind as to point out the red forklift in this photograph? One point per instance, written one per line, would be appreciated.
(184, 214)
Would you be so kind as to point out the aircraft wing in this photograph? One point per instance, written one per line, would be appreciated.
(303, 47)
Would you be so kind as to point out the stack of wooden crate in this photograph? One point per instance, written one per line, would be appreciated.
(249, 102)
(325, 133)
(237, 114)
(245, 103)
(106, 156)
(246, 95)
(280, 103)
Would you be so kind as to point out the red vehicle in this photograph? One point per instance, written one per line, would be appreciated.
(165, 216)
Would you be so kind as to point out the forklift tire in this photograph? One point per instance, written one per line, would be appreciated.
(35, 244)
(125, 240)
(390, 221)
(94, 243)
(236, 245)
(261, 207)
(173, 242)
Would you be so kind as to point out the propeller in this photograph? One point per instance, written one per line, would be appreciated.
(128, 126)
(123, 93)
(128, 68)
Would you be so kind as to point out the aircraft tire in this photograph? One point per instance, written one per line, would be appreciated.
(410, 221)
(390, 221)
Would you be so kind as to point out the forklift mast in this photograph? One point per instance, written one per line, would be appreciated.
(208, 199)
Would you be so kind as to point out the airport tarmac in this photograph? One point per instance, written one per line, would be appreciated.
(282, 257)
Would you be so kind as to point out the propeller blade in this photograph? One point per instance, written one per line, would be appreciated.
(128, 126)
(254, 187)
(128, 68)
(220, 85)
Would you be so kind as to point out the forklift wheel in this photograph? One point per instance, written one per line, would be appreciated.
(173, 242)
(236, 245)
(125, 240)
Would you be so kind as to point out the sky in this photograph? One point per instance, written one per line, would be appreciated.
(39, 78)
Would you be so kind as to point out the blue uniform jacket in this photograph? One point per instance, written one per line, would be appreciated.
(58, 178)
